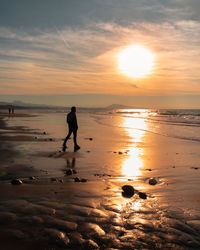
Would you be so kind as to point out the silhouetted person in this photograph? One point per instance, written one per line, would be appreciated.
(13, 110)
(73, 127)
(9, 110)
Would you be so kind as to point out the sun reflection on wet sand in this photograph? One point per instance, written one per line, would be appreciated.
(135, 126)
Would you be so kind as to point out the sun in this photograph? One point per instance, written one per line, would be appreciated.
(135, 61)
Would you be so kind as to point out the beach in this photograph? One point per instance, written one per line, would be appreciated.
(75, 200)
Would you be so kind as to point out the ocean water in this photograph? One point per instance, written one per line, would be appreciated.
(182, 124)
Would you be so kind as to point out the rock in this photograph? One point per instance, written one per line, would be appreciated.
(35, 137)
(44, 133)
(152, 181)
(16, 181)
(74, 171)
(128, 191)
(69, 171)
(83, 180)
(53, 179)
(32, 178)
(149, 169)
(120, 153)
(142, 195)
(90, 139)
(77, 179)
(50, 139)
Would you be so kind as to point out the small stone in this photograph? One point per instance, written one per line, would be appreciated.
(53, 179)
(120, 153)
(142, 195)
(69, 171)
(77, 179)
(32, 178)
(50, 139)
(88, 151)
(35, 137)
(152, 181)
(16, 181)
(44, 133)
(149, 169)
(128, 191)
(90, 138)
(83, 180)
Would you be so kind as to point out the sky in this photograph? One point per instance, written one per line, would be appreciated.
(65, 52)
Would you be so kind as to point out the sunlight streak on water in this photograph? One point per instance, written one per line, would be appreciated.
(135, 128)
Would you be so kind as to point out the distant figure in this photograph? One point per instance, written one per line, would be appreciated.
(9, 110)
(13, 110)
(73, 127)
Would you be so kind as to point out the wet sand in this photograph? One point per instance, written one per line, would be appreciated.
(49, 210)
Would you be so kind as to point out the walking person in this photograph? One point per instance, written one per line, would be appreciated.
(73, 127)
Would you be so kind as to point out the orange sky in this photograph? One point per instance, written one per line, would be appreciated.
(79, 56)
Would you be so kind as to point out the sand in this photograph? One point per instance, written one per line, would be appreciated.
(49, 210)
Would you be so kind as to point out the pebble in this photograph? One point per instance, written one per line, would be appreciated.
(77, 179)
(16, 181)
(152, 181)
(32, 178)
(128, 191)
(53, 179)
(83, 180)
(69, 171)
(142, 195)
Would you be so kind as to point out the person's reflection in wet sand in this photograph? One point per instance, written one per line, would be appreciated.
(71, 164)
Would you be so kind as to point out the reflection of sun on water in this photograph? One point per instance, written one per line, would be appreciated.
(135, 126)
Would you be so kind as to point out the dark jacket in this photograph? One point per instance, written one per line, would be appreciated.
(72, 121)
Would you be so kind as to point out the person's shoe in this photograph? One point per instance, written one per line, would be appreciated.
(76, 148)
(64, 148)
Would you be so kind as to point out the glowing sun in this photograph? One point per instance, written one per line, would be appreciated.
(136, 61)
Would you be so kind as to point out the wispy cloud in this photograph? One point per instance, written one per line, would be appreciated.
(82, 59)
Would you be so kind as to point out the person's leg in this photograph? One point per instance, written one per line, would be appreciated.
(76, 146)
(75, 135)
(66, 139)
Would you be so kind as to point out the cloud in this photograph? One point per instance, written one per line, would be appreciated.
(64, 49)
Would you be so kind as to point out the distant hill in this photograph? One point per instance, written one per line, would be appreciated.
(25, 105)
(119, 106)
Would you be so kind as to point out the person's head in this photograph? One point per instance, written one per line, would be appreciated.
(73, 109)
